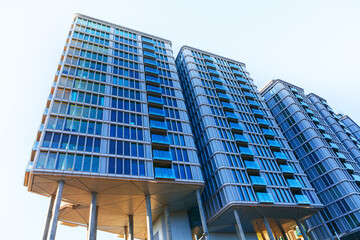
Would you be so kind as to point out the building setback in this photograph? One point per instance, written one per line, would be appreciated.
(327, 153)
(254, 184)
(351, 126)
(115, 145)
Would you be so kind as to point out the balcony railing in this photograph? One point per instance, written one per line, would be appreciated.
(213, 72)
(151, 70)
(268, 132)
(263, 122)
(216, 79)
(264, 197)
(249, 95)
(279, 156)
(257, 112)
(294, 183)
(158, 124)
(150, 62)
(236, 72)
(223, 96)
(241, 79)
(147, 46)
(246, 151)
(207, 58)
(246, 87)
(273, 143)
(166, 173)
(236, 127)
(287, 169)
(302, 199)
(149, 54)
(321, 128)
(154, 89)
(209, 64)
(152, 79)
(258, 180)
(341, 156)
(233, 66)
(334, 146)
(161, 139)
(162, 155)
(251, 165)
(241, 139)
(327, 137)
(231, 115)
(156, 111)
(252, 103)
(356, 177)
(227, 105)
(153, 99)
(148, 40)
(220, 87)
(349, 167)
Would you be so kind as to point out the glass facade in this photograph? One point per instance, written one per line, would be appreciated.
(244, 156)
(326, 152)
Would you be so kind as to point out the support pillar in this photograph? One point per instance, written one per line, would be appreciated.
(282, 230)
(268, 229)
(149, 218)
(126, 233)
(238, 226)
(167, 222)
(48, 217)
(92, 217)
(202, 215)
(55, 212)
(131, 227)
(325, 226)
(302, 229)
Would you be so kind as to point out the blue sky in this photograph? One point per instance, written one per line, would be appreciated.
(313, 44)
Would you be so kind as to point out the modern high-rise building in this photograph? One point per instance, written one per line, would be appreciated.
(351, 126)
(115, 151)
(327, 153)
(254, 184)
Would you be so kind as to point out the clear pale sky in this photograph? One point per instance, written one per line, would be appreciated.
(313, 44)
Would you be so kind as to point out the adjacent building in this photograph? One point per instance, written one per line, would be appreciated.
(328, 154)
(115, 151)
(253, 182)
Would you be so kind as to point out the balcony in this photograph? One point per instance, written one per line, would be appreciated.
(149, 54)
(162, 155)
(264, 197)
(315, 120)
(327, 137)
(241, 139)
(155, 100)
(160, 139)
(294, 90)
(334, 146)
(299, 97)
(152, 79)
(210, 64)
(158, 125)
(223, 96)
(235, 127)
(263, 122)
(245, 87)
(231, 116)
(349, 167)
(220, 88)
(217, 79)
(257, 181)
(151, 70)
(164, 173)
(246, 152)
(280, 157)
(294, 184)
(147, 40)
(208, 59)
(341, 156)
(274, 144)
(304, 104)
(287, 170)
(257, 112)
(153, 89)
(241, 80)
(268, 133)
(321, 128)
(252, 103)
(249, 95)
(238, 73)
(148, 47)
(302, 199)
(213, 72)
(232, 65)
(227, 106)
(356, 178)
(251, 166)
(150, 62)
(156, 112)
(311, 113)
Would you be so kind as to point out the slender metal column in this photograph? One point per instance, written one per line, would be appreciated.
(48, 217)
(326, 226)
(238, 226)
(149, 218)
(131, 227)
(92, 217)
(302, 229)
(268, 229)
(167, 222)
(55, 212)
(282, 231)
(126, 233)
(202, 215)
